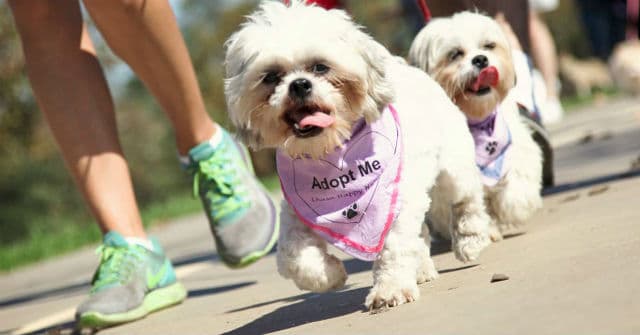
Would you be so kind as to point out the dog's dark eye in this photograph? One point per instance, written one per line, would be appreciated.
(490, 45)
(455, 54)
(319, 68)
(271, 78)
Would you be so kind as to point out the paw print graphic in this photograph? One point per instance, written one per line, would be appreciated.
(491, 147)
(350, 212)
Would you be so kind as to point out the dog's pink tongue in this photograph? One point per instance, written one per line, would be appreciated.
(318, 119)
(487, 77)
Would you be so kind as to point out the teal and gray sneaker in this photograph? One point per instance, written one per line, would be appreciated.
(240, 211)
(130, 282)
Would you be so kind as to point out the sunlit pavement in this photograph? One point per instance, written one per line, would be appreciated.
(574, 269)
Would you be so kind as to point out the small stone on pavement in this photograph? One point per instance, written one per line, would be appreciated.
(499, 277)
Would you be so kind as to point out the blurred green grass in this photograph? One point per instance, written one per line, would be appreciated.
(570, 103)
(60, 235)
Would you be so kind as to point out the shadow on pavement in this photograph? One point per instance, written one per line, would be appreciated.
(512, 235)
(79, 288)
(288, 299)
(354, 265)
(83, 287)
(69, 327)
(464, 267)
(589, 182)
(218, 289)
(313, 308)
(63, 328)
(208, 256)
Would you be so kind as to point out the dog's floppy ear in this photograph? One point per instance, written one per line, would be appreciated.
(419, 52)
(237, 60)
(422, 53)
(378, 88)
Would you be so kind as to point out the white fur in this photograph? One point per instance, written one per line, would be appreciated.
(436, 142)
(517, 195)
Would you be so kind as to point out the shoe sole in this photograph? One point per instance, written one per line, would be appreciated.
(153, 301)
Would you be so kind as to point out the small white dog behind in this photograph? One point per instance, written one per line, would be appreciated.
(470, 57)
(361, 139)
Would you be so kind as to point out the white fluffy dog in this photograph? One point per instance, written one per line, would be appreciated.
(469, 55)
(309, 82)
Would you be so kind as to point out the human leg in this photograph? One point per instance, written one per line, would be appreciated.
(543, 52)
(146, 36)
(72, 93)
(71, 90)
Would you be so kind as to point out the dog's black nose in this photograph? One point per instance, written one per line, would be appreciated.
(300, 88)
(480, 61)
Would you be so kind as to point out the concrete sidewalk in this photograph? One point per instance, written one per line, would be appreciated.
(573, 269)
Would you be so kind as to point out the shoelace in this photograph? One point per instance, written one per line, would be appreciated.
(117, 264)
(221, 180)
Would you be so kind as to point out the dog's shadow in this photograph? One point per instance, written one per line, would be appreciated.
(309, 307)
(312, 308)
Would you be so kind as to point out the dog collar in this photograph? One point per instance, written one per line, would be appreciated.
(492, 140)
(349, 197)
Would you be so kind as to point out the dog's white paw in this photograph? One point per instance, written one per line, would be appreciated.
(494, 233)
(468, 247)
(426, 272)
(391, 294)
(327, 276)
(470, 236)
(517, 202)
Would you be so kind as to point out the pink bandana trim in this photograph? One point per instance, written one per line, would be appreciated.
(349, 197)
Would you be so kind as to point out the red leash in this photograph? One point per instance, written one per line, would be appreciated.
(425, 10)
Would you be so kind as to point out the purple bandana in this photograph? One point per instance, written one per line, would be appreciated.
(349, 196)
(492, 139)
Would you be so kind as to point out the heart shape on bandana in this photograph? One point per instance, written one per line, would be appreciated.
(350, 196)
(332, 186)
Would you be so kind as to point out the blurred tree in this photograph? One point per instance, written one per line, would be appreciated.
(568, 30)
(34, 186)
(17, 107)
(206, 26)
(384, 20)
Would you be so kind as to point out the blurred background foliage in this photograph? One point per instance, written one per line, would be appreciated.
(37, 197)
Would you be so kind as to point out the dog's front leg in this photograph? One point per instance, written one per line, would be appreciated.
(404, 260)
(303, 257)
(395, 270)
(470, 224)
(517, 197)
